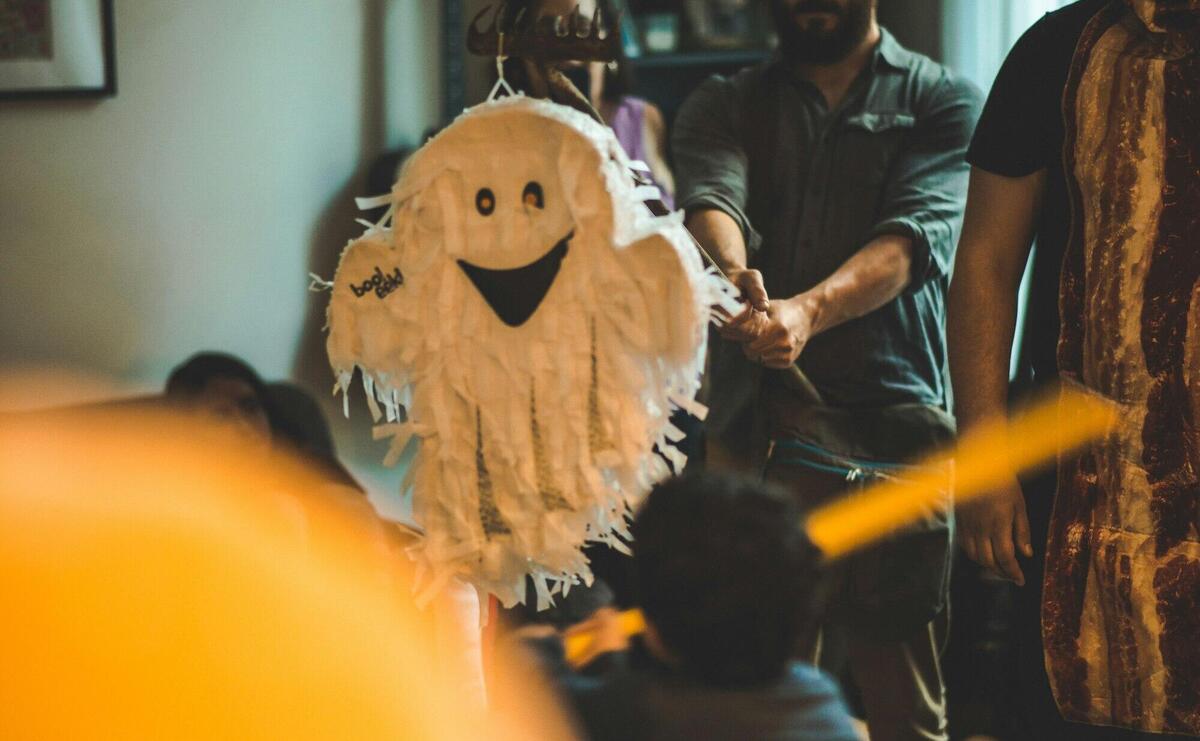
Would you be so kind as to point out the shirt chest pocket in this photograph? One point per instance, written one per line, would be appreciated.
(867, 146)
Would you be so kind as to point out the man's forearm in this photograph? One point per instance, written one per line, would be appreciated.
(875, 275)
(982, 305)
(719, 234)
(981, 317)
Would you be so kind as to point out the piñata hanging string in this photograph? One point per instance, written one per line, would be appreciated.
(501, 83)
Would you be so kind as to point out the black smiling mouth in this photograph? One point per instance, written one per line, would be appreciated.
(516, 293)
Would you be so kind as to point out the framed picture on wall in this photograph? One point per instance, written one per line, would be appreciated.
(57, 49)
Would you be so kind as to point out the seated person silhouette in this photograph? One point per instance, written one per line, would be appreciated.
(727, 580)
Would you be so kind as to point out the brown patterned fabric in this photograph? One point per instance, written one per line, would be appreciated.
(1120, 613)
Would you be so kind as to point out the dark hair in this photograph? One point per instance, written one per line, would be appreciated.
(297, 421)
(726, 575)
(190, 377)
(618, 82)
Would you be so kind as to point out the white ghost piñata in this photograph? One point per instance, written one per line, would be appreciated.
(538, 325)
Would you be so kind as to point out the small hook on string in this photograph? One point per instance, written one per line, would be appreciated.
(501, 83)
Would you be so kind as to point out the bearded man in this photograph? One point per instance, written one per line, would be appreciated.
(829, 184)
(1090, 143)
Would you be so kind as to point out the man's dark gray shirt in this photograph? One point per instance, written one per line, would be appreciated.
(810, 187)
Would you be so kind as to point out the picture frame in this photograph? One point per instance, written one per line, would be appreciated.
(57, 49)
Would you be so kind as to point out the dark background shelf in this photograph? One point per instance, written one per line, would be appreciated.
(720, 58)
(667, 79)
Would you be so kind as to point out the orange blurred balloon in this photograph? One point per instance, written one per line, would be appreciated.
(160, 583)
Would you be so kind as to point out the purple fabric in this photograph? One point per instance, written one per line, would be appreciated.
(628, 122)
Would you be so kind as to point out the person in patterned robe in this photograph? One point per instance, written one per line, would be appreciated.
(1112, 193)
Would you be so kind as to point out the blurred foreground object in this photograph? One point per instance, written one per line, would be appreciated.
(990, 454)
(170, 587)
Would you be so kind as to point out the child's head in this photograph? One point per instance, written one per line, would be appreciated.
(726, 576)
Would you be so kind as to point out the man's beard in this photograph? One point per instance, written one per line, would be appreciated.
(816, 44)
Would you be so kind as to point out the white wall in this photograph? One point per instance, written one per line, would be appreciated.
(977, 35)
(183, 213)
(186, 212)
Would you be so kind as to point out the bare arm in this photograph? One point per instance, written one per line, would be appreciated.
(713, 174)
(721, 237)
(982, 311)
(713, 180)
(872, 277)
(719, 234)
(912, 243)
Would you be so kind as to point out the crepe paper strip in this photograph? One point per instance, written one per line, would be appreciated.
(375, 227)
(317, 284)
(544, 599)
(373, 202)
(369, 202)
(619, 546)
(690, 405)
(647, 193)
(726, 297)
(576, 645)
(678, 459)
(401, 435)
(673, 433)
(379, 394)
(369, 389)
(384, 221)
